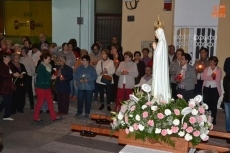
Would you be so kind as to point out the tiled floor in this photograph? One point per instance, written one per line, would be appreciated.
(24, 136)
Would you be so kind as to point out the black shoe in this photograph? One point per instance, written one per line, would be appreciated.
(41, 111)
(109, 108)
(47, 111)
(228, 141)
(101, 107)
(21, 111)
(38, 121)
(58, 118)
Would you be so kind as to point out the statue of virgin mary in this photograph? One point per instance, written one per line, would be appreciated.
(160, 84)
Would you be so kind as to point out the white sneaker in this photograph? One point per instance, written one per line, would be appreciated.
(8, 119)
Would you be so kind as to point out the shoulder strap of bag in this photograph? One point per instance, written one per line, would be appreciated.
(101, 66)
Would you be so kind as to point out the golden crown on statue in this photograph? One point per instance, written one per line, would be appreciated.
(158, 23)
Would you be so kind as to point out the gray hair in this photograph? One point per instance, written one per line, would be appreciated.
(45, 46)
(62, 58)
(17, 45)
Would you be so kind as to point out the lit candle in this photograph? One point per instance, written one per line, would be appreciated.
(61, 76)
(200, 66)
(116, 61)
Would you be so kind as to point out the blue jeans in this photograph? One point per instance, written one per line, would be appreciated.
(227, 114)
(84, 96)
(6, 103)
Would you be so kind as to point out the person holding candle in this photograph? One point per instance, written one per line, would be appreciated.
(117, 57)
(186, 77)
(127, 71)
(85, 77)
(211, 86)
(95, 56)
(7, 72)
(18, 102)
(105, 68)
(174, 67)
(199, 66)
(64, 76)
(43, 87)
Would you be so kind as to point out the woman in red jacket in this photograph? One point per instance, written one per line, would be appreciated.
(7, 72)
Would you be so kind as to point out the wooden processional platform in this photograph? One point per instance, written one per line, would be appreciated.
(101, 126)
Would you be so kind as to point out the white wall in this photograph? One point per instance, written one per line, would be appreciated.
(200, 11)
(64, 22)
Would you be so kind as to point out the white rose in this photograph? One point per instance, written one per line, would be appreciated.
(194, 111)
(168, 112)
(120, 116)
(176, 122)
(141, 127)
(154, 108)
(181, 133)
(205, 106)
(130, 115)
(188, 137)
(138, 118)
(131, 129)
(204, 137)
(169, 131)
(157, 130)
(143, 107)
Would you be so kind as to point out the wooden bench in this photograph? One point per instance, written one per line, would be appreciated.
(106, 130)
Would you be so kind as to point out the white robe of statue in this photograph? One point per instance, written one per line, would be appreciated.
(160, 85)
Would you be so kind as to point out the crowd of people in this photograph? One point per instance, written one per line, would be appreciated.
(54, 73)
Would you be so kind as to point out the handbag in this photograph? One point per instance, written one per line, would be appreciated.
(106, 79)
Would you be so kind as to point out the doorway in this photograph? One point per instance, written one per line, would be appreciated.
(108, 21)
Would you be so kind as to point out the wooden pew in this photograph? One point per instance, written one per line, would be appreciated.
(218, 148)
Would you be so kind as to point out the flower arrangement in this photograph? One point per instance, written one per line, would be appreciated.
(160, 121)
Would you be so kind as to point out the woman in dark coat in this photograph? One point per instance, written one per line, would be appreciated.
(7, 72)
(226, 99)
(18, 102)
(64, 76)
(140, 66)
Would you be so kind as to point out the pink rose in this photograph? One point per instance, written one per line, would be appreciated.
(192, 120)
(114, 122)
(123, 109)
(126, 119)
(164, 132)
(135, 126)
(174, 129)
(163, 101)
(191, 105)
(185, 125)
(201, 110)
(196, 133)
(160, 116)
(150, 122)
(149, 103)
(209, 118)
(189, 129)
(127, 131)
(206, 138)
(145, 114)
(177, 111)
(200, 119)
(133, 108)
(179, 96)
